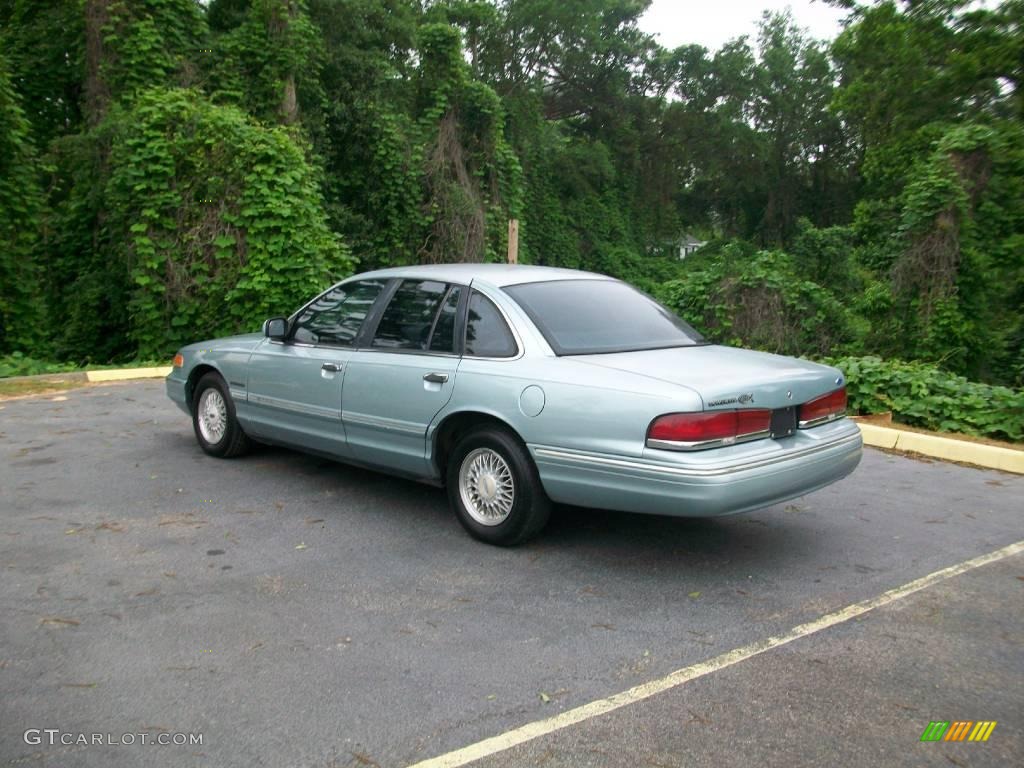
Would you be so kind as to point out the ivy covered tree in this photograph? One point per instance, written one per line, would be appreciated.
(131, 45)
(170, 154)
(471, 177)
(217, 220)
(266, 58)
(44, 44)
(20, 222)
(931, 92)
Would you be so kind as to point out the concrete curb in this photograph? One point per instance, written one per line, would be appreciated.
(949, 449)
(119, 374)
(123, 374)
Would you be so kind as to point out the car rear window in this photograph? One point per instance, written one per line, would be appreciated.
(487, 335)
(583, 317)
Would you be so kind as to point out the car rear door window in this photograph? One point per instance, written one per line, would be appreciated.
(443, 337)
(487, 333)
(408, 320)
(336, 317)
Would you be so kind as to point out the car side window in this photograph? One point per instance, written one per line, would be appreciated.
(443, 337)
(336, 317)
(487, 333)
(408, 320)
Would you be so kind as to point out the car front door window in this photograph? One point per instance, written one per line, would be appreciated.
(336, 317)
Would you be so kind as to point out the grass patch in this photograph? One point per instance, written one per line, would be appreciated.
(37, 386)
(17, 364)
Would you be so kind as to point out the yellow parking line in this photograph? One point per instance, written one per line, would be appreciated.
(580, 714)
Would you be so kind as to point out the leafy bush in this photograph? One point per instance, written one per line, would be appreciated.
(20, 204)
(758, 299)
(923, 395)
(17, 364)
(217, 219)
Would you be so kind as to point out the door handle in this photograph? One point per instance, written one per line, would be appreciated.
(331, 367)
(435, 378)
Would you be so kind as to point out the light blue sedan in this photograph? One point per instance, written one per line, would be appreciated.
(519, 386)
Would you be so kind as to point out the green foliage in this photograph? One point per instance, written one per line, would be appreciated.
(149, 43)
(471, 177)
(427, 176)
(19, 364)
(739, 296)
(44, 41)
(20, 212)
(862, 197)
(275, 46)
(931, 91)
(89, 289)
(924, 395)
(824, 255)
(216, 219)
(957, 269)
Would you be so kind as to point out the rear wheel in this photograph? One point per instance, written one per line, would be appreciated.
(494, 488)
(213, 418)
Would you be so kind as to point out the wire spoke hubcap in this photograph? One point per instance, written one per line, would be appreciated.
(213, 416)
(486, 486)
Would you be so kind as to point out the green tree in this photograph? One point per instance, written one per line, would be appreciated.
(21, 309)
(44, 42)
(215, 220)
(268, 62)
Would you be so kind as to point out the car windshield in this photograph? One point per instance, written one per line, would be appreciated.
(583, 317)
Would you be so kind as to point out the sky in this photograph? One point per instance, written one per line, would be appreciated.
(713, 22)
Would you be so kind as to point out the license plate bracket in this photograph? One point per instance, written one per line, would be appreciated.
(783, 422)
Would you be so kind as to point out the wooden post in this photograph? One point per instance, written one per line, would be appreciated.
(513, 241)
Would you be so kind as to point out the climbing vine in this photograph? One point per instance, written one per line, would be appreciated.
(219, 221)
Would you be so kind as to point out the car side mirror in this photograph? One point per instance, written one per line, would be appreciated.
(275, 328)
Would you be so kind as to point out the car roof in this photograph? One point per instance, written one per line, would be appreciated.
(497, 275)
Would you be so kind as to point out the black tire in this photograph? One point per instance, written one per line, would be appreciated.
(531, 506)
(234, 441)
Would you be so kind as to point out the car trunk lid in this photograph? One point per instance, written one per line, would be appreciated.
(727, 377)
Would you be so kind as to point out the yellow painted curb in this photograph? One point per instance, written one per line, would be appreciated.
(990, 456)
(124, 374)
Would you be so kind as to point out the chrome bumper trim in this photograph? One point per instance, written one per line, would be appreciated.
(591, 459)
(821, 420)
(703, 445)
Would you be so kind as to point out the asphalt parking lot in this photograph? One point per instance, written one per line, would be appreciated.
(297, 612)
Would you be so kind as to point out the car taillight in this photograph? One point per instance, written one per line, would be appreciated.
(179, 360)
(693, 431)
(822, 409)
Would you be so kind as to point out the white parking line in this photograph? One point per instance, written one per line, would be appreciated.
(594, 709)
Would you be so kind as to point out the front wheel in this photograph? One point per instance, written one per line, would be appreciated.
(213, 418)
(494, 488)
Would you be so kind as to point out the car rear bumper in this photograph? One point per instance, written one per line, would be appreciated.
(710, 483)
